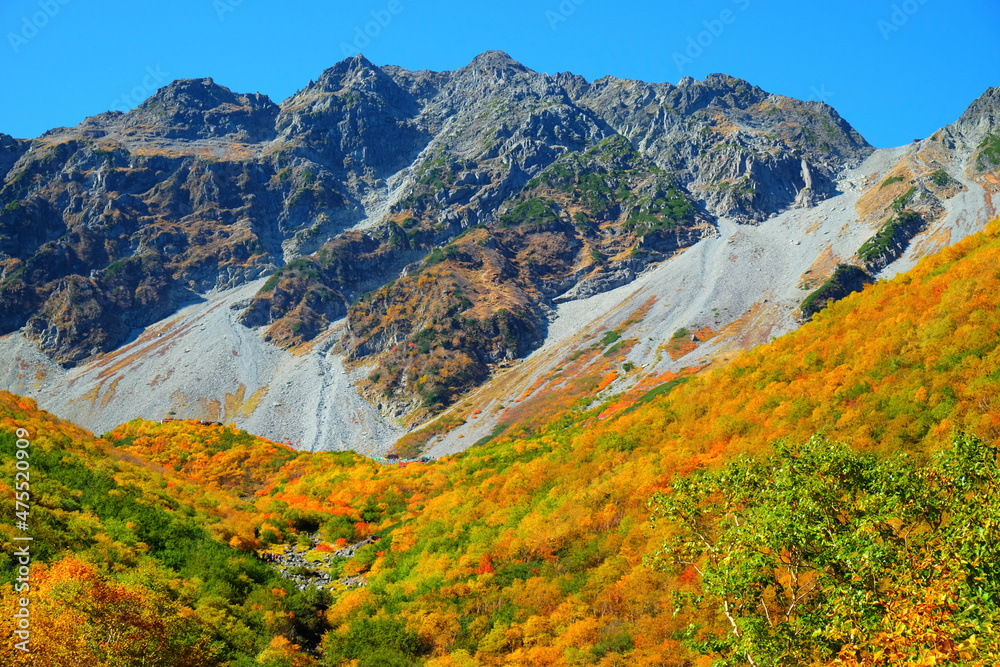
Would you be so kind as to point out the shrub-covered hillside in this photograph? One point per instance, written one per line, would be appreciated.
(132, 564)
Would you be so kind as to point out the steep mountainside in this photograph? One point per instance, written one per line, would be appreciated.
(537, 547)
(220, 187)
(421, 232)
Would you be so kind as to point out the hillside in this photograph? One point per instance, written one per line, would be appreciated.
(534, 547)
(131, 563)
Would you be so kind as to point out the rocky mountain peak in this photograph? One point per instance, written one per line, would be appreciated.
(717, 90)
(496, 61)
(593, 181)
(348, 72)
(11, 151)
(201, 108)
(982, 117)
(194, 94)
(737, 92)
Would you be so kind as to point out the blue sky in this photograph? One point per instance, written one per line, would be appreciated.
(895, 69)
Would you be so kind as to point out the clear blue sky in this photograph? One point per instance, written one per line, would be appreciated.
(897, 70)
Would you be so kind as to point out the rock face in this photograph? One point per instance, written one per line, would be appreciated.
(443, 214)
(199, 109)
(980, 120)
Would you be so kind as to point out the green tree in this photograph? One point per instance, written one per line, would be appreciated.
(805, 555)
(375, 642)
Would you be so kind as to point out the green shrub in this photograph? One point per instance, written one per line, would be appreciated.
(903, 200)
(374, 642)
(940, 178)
(616, 643)
(116, 267)
(271, 283)
(436, 256)
(838, 536)
(610, 337)
(990, 152)
(535, 211)
(879, 243)
(845, 280)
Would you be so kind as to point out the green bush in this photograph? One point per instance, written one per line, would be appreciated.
(436, 256)
(890, 181)
(610, 337)
(990, 152)
(845, 280)
(940, 178)
(879, 243)
(616, 643)
(374, 642)
(116, 267)
(903, 200)
(271, 283)
(535, 211)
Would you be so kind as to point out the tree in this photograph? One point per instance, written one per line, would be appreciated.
(811, 554)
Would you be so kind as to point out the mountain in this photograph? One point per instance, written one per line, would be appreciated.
(386, 246)
(537, 546)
